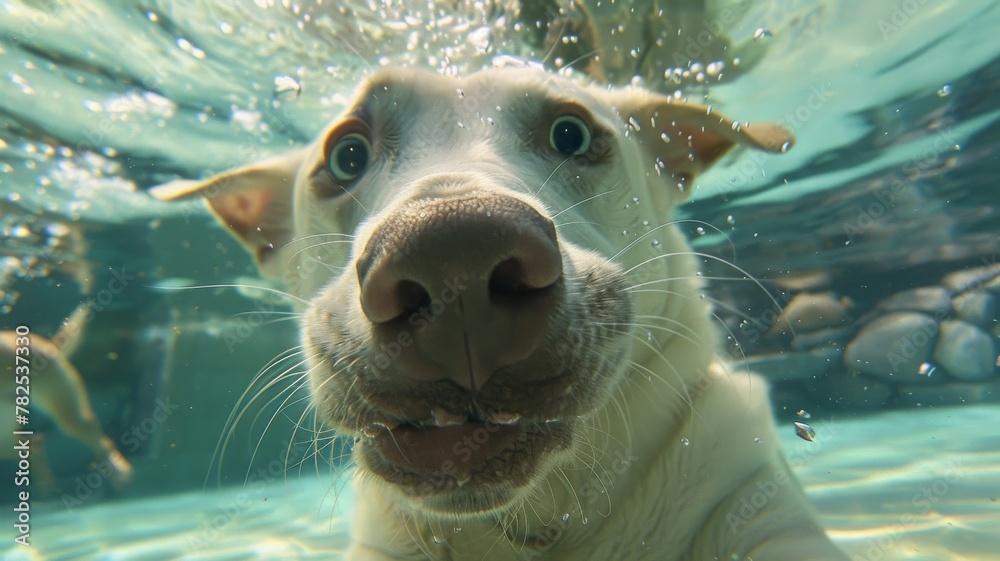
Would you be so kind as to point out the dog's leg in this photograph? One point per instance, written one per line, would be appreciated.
(379, 531)
(766, 515)
(58, 390)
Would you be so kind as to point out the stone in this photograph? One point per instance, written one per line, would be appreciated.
(971, 279)
(833, 337)
(965, 351)
(948, 395)
(931, 300)
(791, 366)
(811, 312)
(993, 286)
(977, 308)
(893, 347)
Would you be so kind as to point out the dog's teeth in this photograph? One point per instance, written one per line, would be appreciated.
(443, 418)
(504, 418)
(371, 431)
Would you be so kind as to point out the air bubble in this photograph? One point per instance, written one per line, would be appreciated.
(803, 413)
(286, 88)
(685, 442)
(761, 33)
(926, 369)
(656, 243)
(700, 231)
(730, 220)
(945, 90)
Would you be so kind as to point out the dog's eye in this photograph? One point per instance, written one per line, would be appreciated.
(349, 157)
(570, 135)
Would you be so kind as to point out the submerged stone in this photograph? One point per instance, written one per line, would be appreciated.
(932, 300)
(893, 347)
(965, 351)
(977, 308)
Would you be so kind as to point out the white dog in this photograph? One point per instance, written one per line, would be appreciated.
(501, 314)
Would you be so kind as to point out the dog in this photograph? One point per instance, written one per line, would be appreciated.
(45, 374)
(499, 311)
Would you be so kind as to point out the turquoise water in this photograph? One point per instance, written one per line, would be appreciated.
(100, 100)
(883, 495)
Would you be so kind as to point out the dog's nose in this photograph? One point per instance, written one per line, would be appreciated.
(470, 279)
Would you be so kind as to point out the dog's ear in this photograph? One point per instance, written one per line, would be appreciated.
(254, 202)
(688, 138)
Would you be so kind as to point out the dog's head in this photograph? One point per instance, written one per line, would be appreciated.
(468, 249)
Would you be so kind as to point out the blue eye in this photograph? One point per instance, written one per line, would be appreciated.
(349, 157)
(569, 135)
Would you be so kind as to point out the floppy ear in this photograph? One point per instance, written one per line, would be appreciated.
(688, 138)
(254, 202)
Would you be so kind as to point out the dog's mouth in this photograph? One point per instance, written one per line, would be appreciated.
(462, 465)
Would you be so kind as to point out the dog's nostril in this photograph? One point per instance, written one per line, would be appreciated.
(507, 278)
(411, 297)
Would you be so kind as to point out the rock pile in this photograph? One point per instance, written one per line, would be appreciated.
(928, 346)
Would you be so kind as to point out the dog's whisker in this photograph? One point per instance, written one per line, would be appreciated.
(267, 289)
(551, 175)
(588, 199)
(218, 455)
(576, 222)
(292, 257)
(733, 266)
(319, 235)
(289, 392)
(581, 58)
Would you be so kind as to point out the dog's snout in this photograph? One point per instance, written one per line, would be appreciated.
(474, 271)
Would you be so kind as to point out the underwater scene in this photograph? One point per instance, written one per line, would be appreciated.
(229, 327)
